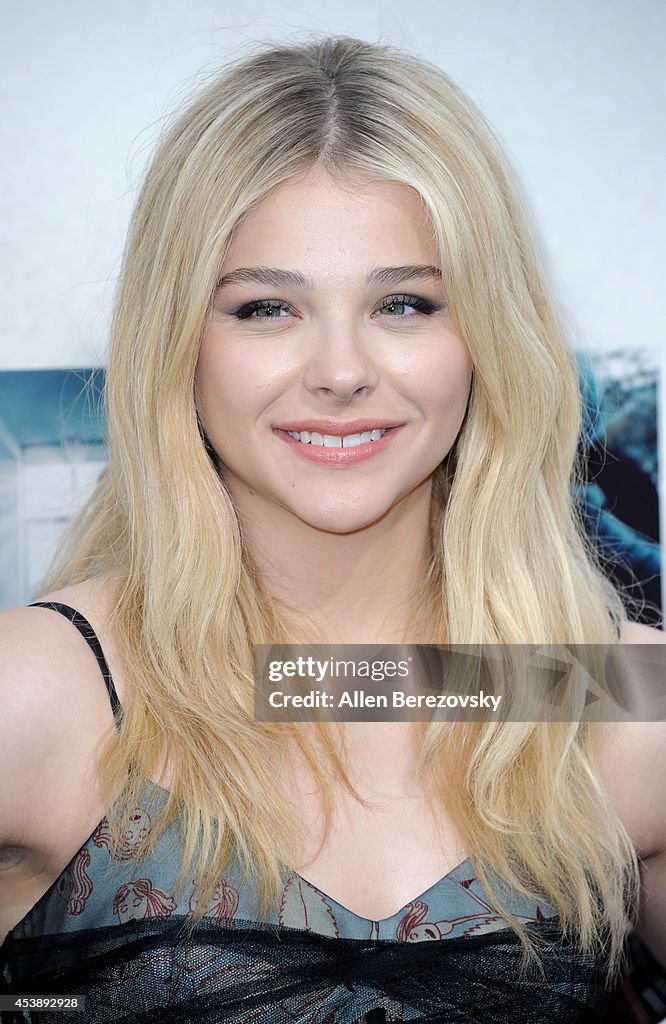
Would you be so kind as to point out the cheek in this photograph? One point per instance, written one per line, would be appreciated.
(219, 378)
(440, 382)
(457, 385)
(237, 378)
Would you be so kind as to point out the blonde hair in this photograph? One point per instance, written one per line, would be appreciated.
(511, 564)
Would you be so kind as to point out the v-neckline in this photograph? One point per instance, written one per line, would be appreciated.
(421, 898)
(330, 899)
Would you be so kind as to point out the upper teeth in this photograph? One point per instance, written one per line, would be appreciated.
(333, 441)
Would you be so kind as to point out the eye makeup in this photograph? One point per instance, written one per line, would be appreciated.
(397, 303)
(391, 305)
(268, 309)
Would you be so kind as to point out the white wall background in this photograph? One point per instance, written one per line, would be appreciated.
(575, 88)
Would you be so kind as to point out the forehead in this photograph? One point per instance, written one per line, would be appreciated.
(329, 224)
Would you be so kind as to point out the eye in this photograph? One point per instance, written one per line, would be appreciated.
(398, 305)
(263, 309)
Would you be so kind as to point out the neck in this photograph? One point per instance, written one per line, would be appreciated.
(360, 587)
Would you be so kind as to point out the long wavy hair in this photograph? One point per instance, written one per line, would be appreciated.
(510, 565)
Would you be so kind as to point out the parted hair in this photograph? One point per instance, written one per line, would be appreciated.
(511, 563)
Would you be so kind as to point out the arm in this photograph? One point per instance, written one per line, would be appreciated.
(53, 713)
(644, 758)
(652, 926)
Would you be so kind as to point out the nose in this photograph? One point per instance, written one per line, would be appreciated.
(341, 364)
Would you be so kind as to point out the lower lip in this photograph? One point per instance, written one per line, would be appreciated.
(338, 456)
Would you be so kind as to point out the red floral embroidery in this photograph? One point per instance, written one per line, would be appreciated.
(414, 928)
(139, 827)
(223, 903)
(136, 900)
(75, 885)
(304, 906)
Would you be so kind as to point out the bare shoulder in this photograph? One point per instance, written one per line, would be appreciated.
(54, 714)
(639, 774)
(639, 633)
(632, 755)
(55, 711)
(94, 599)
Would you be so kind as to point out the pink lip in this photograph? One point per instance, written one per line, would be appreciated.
(337, 456)
(338, 428)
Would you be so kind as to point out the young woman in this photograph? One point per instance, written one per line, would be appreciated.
(340, 410)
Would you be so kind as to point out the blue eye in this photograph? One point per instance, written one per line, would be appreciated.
(396, 305)
(262, 309)
(393, 305)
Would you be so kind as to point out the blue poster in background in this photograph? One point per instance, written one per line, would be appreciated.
(619, 501)
(52, 451)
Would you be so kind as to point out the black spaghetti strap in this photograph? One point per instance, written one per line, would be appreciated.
(90, 637)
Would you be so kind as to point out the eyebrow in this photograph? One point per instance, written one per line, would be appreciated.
(293, 279)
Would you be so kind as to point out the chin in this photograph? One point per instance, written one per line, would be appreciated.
(341, 521)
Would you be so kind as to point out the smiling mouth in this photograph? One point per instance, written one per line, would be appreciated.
(338, 450)
(335, 440)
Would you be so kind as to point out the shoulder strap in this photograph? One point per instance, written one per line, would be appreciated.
(90, 637)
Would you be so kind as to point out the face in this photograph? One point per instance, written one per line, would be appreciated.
(133, 907)
(331, 380)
